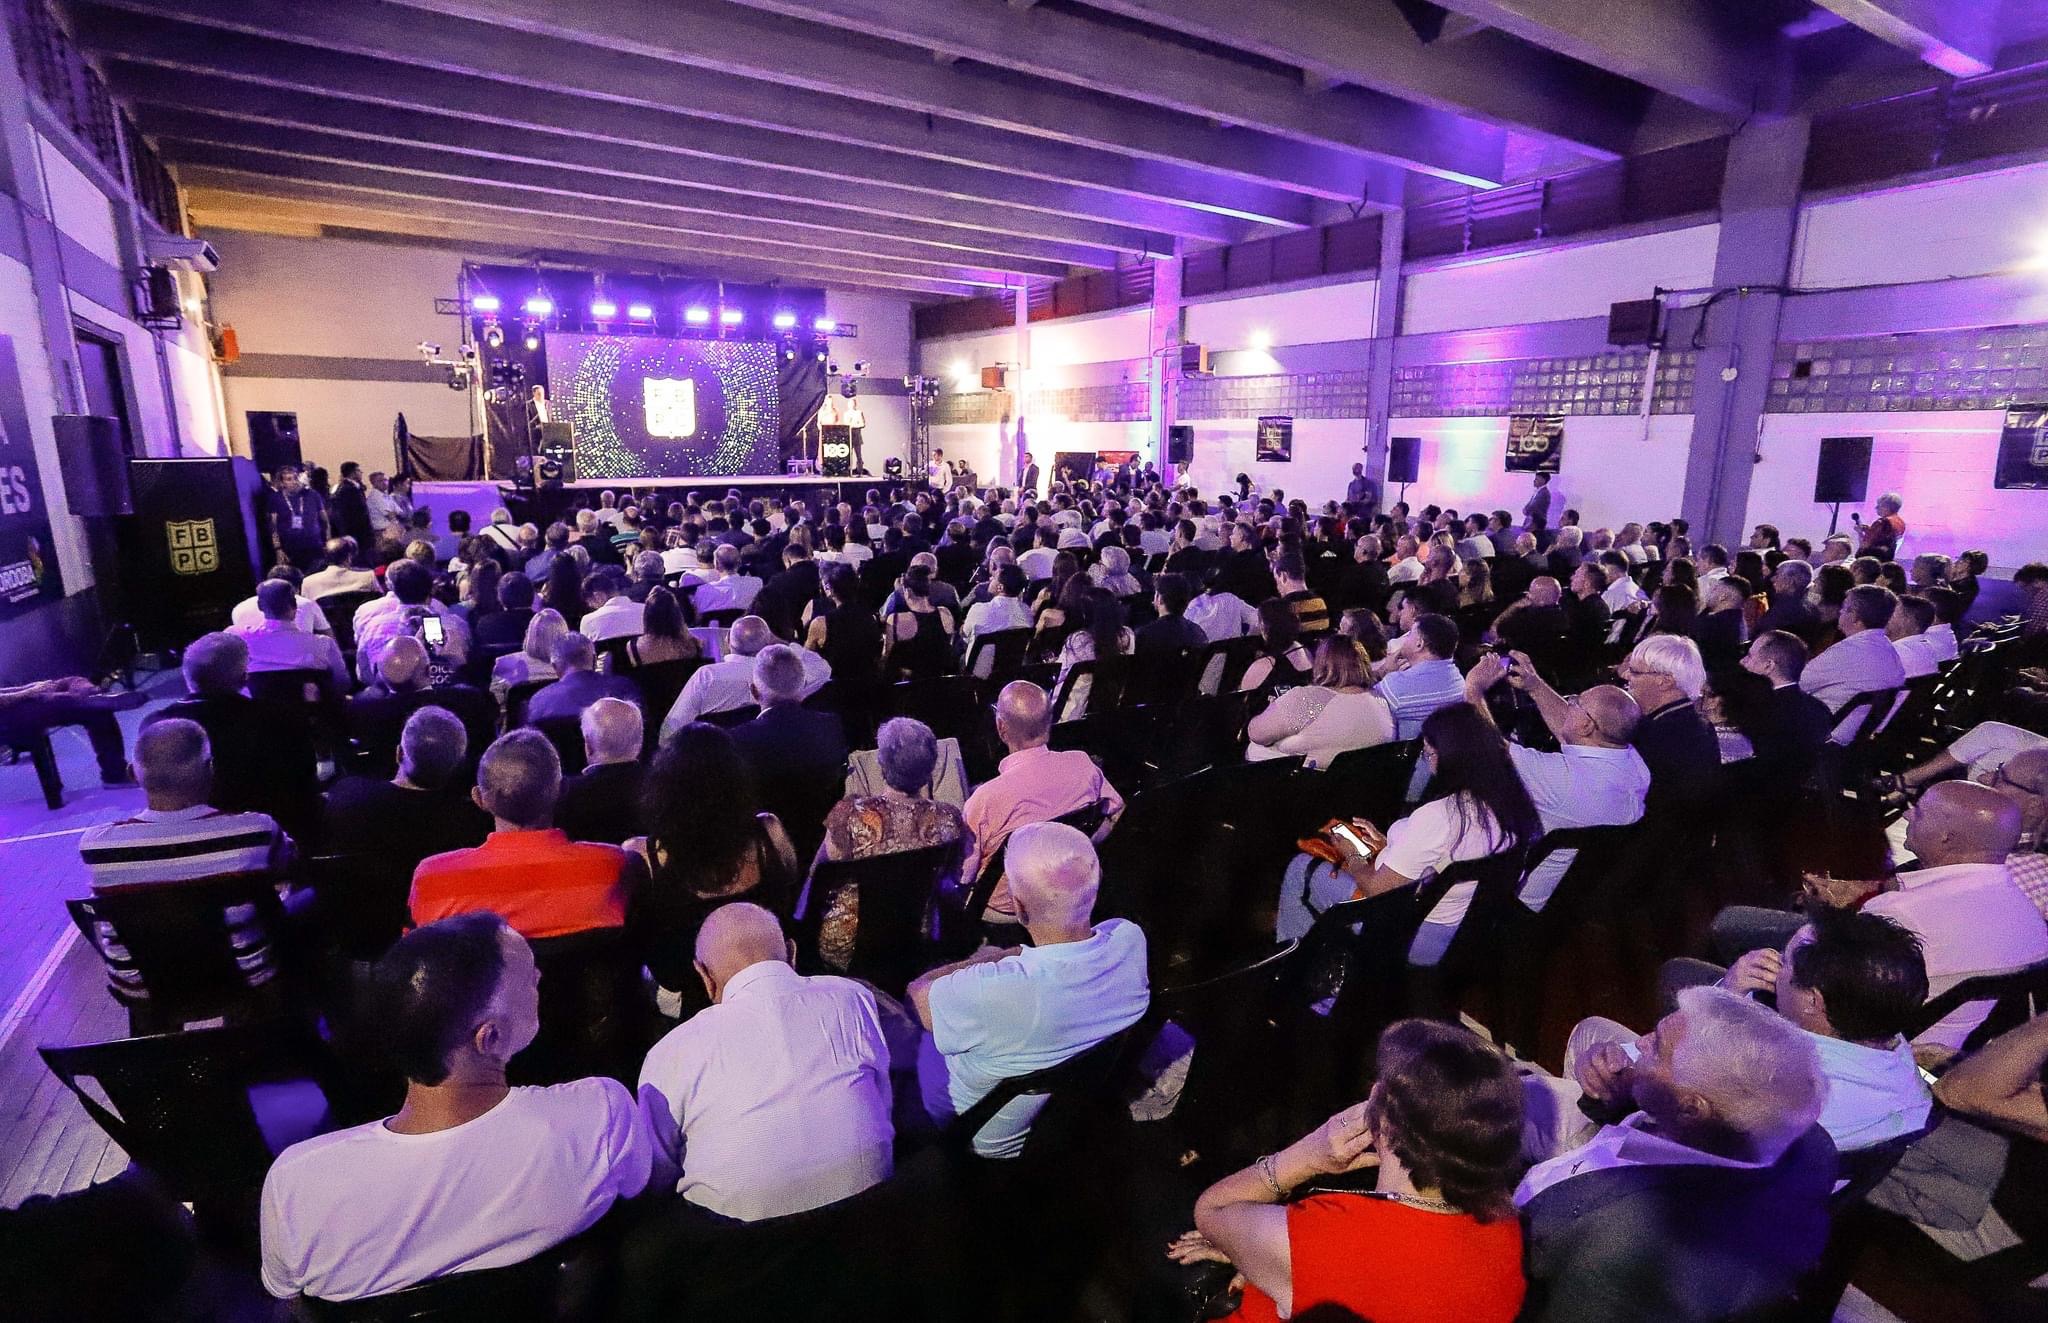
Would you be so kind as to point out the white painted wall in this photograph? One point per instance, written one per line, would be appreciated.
(1317, 315)
(1615, 469)
(344, 420)
(1967, 226)
(1324, 451)
(1943, 464)
(77, 206)
(1556, 284)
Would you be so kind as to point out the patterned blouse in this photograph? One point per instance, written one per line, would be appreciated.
(861, 827)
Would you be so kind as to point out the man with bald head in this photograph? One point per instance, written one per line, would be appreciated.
(1035, 783)
(1536, 623)
(1004, 1013)
(527, 870)
(775, 1099)
(602, 802)
(728, 683)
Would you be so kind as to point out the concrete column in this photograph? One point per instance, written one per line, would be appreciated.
(21, 175)
(1009, 458)
(1759, 220)
(1386, 327)
(1163, 345)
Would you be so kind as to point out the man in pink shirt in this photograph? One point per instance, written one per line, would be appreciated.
(1034, 784)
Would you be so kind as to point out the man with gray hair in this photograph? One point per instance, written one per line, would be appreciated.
(1863, 661)
(602, 802)
(277, 643)
(425, 809)
(798, 756)
(178, 836)
(727, 588)
(1706, 1198)
(729, 682)
(527, 870)
(262, 752)
(578, 683)
(775, 1099)
(1003, 1013)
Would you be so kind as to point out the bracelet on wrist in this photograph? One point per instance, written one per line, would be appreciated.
(1265, 1168)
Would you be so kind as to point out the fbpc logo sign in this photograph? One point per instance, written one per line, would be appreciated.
(671, 406)
(195, 548)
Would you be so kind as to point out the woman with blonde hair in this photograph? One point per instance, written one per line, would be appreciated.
(1332, 714)
(534, 659)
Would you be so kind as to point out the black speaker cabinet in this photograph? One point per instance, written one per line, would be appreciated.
(95, 467)
(1404, 459)
(273, 440)
(1636, 322)
(1180, 443)
(1843, 476)
(558, 446)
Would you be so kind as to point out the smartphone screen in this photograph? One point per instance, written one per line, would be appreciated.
(432, 632)
(1350, 836)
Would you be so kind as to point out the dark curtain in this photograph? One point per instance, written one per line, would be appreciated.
(802, 386)
(444, 458)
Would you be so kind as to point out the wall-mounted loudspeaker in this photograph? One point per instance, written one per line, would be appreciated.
(95, 469)
(273, 439)
(1843, 476)
(1404, 458)
(1180, 443)
(993, 378)
(1636, 322)
(1194, 360)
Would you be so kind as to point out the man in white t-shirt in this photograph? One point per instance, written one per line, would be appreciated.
(1004, 1013)
(471, 1173)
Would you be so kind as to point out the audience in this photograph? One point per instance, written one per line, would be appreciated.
(1333, 714)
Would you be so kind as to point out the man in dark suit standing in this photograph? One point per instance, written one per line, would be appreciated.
(348, 509)
(262, 752)
(798, 756)
(1793, 724)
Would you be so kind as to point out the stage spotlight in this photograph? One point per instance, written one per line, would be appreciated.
(604, 310)
(789, 354)
(485, 303)
(821, 357)
(824, 325)
(784, 321)
(730, 316)
(697, 316)
(640, 312)
(532, 343)
(494, 335)
(540, 305)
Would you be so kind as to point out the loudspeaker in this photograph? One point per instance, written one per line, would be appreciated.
(557, 452)
(993, 378)
(1194, 360)
(1404, 458)
(1634, 323)
(1180, 443)
(95, 469)
(1844, 471)
(273, 440)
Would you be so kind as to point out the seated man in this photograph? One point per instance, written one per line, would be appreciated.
(278, 644)
(311, 618)
(1422, 678)
(577, 684)
(341, 574)
(1665, 676)
(527, 870)
(262, 752)
(1003, 1013)
(797, 756)
(1171, 631)
(1793, 725)
(1978, 755)
(775, 1099)
(612, 613)
(729, 682)
(1004, 608)
(471, 1173)
(602, 802)
(1919, 652)
(402, 612)
(1853, 982)
(727, 588)
(424, 810)
(178, 836)
(1035, 783)
(1708, 1200)
(375, 716)
(1863, 661)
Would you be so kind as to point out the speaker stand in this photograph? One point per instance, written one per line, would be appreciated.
(1834, 516)
(1404, 495)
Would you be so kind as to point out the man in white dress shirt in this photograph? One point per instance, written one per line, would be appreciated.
(1919, 653)
(279, 643)
(1863, 661)
(727, 587)
(729, 682)
(775, 1099)
(311, 616)
(611, 614)
(471, 1173)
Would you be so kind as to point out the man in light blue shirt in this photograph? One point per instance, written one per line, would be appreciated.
(1000, 1014)
(1429, 681)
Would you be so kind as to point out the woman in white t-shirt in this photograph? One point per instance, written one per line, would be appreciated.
(1479, 807)
(1101, 633)
(1335, 713)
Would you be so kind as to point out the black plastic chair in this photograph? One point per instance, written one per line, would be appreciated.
(1072, 1089)
(340, 610)
(661, 683)
(566, 734)
(595, 1015)
(2016, 997)
(1226, 661)
(997, 655)
(171, 951)
(1240, 1065)
(960, 926)
(895, 894)
(949, 704)
(516, 699)
(1483, 935)
(731, 716)
(1370, 783)
(566, 1284)
(307, 686)
(723, 617)
(185, 1107)
(361, 902)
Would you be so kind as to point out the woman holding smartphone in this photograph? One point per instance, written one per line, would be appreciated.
(1436, 1240)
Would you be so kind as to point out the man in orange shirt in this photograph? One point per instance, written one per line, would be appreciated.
(527, 871)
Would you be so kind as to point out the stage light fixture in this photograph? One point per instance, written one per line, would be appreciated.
(604, 310)
(784, 321)
(697, 316)
(789, 354)
(640, 312)
(485, 303)
(824, 325)
(1261, 340)
(532, 343)
(821, 356)
(730, 316)
(540, 305)
(494, 335)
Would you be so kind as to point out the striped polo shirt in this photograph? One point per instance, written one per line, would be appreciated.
(179, 845)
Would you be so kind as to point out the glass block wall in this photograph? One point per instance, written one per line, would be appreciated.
(1297, 395)
(1928, 370)
(1590, 384)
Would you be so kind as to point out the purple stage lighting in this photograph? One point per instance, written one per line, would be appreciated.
(824, 325)
(604, 310)
(697, 316)
(485, 303)
(730, 316)
(640, 312)
(784, 321)
(540, 305)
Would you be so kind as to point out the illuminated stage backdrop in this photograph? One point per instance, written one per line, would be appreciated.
(644, 407)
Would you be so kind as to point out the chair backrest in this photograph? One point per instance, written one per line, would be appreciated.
(949, 704)
(185, 958)
(615, 649)
(1070, 1088)
(516, 698)
(301, 685)
(1239, 1060)
(1870, 710)
(541, 1289)
(566, 734)
(1497, 876)
(2015, 997)
(594, 1013)
(732, 716)
(895, 892)
(340, 610)
(1086, 819)
(998, 654)
(661, 683)
(360, 901)
(722, 617)
(1225, 662)
(1594, 849)
(1105, 677)
(1166, 677)
(179, 1104)
(1370, 783)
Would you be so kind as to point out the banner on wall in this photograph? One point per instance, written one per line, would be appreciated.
(1535, 443)
(2023, 449)
(1275, 440)
(28, 558)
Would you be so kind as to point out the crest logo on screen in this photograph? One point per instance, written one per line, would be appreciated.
(671, 406)
(194, 547)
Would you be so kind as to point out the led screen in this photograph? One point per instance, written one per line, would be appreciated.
(645, 407)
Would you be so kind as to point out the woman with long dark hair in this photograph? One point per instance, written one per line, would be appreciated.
(917, 642)
(564, 589)
(1284, 661)
(846, 634)
(708, 842)
(1436, 1239)
(1475, 806)
(1674, 610)
(1101, 634)
(664, 637)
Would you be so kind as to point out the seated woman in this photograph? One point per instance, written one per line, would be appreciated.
(1477, 806)
(846, 634)
(903, 817)
(1284, 661)
(479, 594)
(534, 660)
(1066, 610)
(1674, 610)
(1962, 575)
(1334, 713)
(917, 642)
(1363, 626)
(1475, 584)
(1101, 634)
(663, 637)
(1436, 1240)
(1113, 574)
(708, 842)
